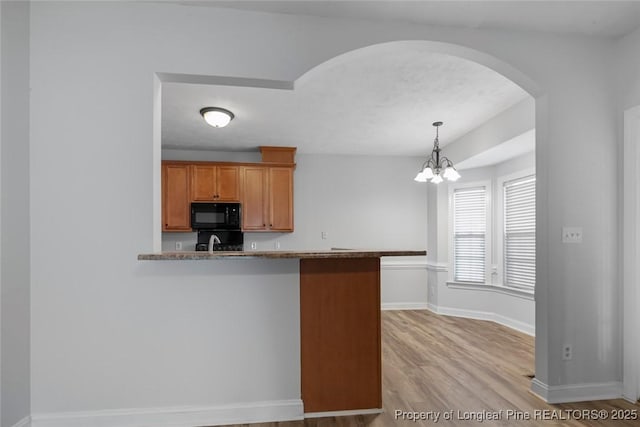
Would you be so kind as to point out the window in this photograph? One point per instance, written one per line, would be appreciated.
(520, 233)
(469, 234)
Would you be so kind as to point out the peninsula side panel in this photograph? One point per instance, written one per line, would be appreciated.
(340, 334)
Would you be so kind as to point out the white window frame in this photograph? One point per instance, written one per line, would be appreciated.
(488, 232)
(500, 225)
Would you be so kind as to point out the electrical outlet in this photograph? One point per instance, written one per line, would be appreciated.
(178, 246)
(254, 245)
(567, 352)
(276, 245)
(323, 235)
(571, 234)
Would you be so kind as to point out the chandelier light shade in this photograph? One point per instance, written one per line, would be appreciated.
(437, 167)
(216, 117)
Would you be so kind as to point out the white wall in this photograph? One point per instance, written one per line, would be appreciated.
(507, 125)
(359, 202)
(627, 68)
(111, 332)
(628, 79)
(211, 156)
(14, 214)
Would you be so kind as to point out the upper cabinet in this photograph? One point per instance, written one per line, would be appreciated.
(212, 183)
(176, 213)
(264, 189)
(281, 199)
(267, 198)
(255, 198)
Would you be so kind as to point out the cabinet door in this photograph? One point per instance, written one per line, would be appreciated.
(228, 183)
(281, 199)
(176, 213)
(254, 198)
(203, 183)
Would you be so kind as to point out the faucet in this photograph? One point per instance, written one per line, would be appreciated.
(212, 241)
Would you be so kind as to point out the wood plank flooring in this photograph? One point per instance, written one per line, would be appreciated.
(435, 364)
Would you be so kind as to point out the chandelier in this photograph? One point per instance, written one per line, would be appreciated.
(437, 167)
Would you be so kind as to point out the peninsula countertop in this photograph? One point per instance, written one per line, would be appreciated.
(300, 254)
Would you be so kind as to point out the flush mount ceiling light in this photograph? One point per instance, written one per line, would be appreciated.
(216, 117)
(436, 167)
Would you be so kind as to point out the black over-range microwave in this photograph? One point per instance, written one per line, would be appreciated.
(215, 216)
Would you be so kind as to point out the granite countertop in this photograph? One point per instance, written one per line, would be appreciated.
(333, 253)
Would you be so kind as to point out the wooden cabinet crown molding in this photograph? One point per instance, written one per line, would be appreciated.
(284, 155)
(205, 163)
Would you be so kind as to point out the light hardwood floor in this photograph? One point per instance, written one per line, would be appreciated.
(436, 364)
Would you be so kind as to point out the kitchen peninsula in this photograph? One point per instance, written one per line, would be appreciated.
(340, 336)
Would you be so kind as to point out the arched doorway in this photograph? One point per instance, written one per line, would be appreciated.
(475, 56)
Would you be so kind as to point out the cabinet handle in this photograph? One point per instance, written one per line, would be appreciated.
(270, 225)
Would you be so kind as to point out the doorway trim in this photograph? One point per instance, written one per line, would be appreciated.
(631, 250)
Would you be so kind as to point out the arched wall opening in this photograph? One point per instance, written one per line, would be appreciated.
(489, 61)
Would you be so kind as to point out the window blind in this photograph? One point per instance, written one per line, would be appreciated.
(520, 233)
(469, 232)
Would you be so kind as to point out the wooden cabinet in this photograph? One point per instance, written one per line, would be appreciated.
(255, 198)
(267, 198)
(176, 213)
(265, 191)
(211, 183)
(281, 199)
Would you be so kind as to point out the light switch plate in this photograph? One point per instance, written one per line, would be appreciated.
(571, 234)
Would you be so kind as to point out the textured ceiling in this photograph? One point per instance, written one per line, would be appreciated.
(379, 100)
(598, 18)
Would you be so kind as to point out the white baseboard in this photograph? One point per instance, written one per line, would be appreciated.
(576, 392)
(283, 410)
(484, 315)
(25, 422)
(343, 413)
(404, 306)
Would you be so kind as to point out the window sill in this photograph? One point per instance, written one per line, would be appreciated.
(520, 293)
